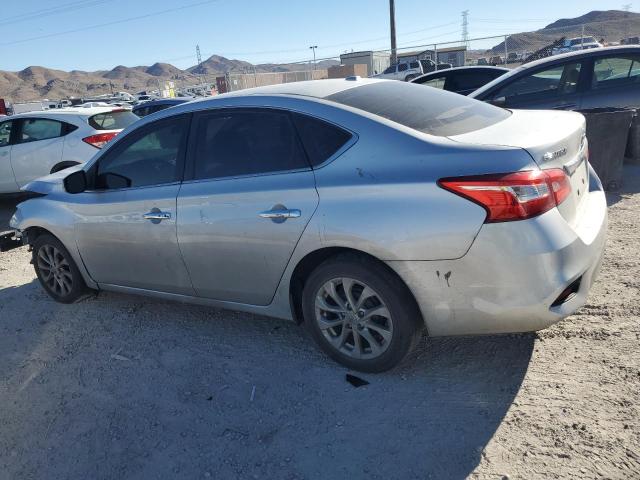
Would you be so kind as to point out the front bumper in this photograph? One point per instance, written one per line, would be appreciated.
(513, 273)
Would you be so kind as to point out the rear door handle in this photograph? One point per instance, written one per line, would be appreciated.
(280, 213)
(157, 216)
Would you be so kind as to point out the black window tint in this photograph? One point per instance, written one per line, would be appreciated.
(428, 110)
(252, 142)
(549, 83)
(415, 65)
(141, 111)
(320, 139)
(402, 67)
(391, 69)
(115, 120)
(5, 133)
(34, 129)
(151, 156)
(469, 80)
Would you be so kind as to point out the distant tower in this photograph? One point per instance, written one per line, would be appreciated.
(465, 28)
(199, 57)
(626, 7)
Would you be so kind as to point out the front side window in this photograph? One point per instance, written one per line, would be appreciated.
(554, 81)
(252, 142)
(616, 71)
(5, 133)
(34, 129)
(403, 67)
(391, 69)
(415, 65)
(152, 156)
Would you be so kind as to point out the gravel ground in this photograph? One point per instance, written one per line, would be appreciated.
(125, 387)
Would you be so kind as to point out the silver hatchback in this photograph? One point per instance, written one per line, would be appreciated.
(369, 210)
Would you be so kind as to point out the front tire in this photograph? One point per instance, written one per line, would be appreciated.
(56, 270)
(360, 313)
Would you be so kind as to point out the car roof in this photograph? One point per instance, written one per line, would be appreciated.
(82, 111)
(465, 68)
(558, 58)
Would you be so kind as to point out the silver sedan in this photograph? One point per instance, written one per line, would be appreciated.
(369, 210)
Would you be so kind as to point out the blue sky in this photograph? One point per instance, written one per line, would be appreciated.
(104, 33)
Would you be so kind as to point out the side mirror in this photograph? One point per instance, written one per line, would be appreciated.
(499, 102)
(76, 182)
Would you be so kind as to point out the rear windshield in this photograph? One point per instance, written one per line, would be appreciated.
(116, 120)
(428, 110)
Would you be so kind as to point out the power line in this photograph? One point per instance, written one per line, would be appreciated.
(115, 22)
(46, 12)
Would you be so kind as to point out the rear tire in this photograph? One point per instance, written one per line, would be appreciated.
(361, 314)
(56, 270)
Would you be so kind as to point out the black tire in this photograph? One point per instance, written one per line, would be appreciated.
(410, 77)
(45, 247)
(405, 319)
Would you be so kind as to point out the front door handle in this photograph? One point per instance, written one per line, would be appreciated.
(157, 216)
(281, 214)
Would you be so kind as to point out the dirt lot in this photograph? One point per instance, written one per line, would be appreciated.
(126, 387)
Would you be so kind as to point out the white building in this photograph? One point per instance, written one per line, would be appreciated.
(376, 62)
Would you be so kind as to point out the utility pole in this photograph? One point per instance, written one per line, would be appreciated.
(313, 47)
(465, 28)
(392, 21)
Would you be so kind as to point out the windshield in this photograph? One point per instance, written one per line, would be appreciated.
(427, 110)
(115, 120)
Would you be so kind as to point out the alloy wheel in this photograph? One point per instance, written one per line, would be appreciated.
(353, 318)
(55, 270)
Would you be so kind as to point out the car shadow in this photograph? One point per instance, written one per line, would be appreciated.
(147, 388)
(630, 184)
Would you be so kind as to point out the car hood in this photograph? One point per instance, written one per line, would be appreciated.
(50, 183)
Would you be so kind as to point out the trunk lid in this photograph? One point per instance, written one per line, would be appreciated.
(554, 139)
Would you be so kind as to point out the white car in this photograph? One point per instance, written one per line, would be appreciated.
(404, 71)
(35, 144)
(578, 43)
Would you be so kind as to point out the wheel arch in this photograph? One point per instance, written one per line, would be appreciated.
(312, 260)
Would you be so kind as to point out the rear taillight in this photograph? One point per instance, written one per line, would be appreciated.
(512, 196)
(99, 140)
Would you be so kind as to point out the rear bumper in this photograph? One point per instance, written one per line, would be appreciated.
(512, 275)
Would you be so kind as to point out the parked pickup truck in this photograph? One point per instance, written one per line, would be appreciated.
(407, 71)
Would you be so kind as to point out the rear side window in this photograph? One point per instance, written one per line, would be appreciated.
(115, 120)
(253, 142)
(427, 110)
(471, 80)
(34, 129)
(616, 71)
(321, 140)
(403, 67)
(415, 65)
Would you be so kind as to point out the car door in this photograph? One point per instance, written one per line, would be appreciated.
(7, 179)
(614, 82)
(37, 148)
(552, 87)
(248, 195)
(126, 221)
